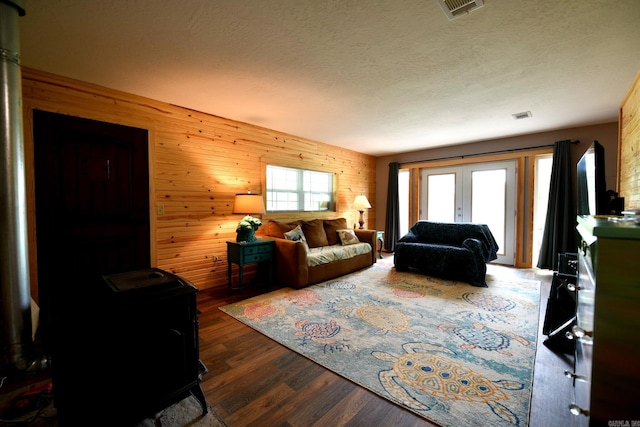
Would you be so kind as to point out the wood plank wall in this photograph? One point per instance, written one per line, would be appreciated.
(198, 162)
(629, 147)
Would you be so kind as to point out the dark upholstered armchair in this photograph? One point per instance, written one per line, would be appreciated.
(457, 251)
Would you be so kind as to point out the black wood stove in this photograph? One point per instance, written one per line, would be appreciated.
(132, 352)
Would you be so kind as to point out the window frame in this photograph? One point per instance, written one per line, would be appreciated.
(299, 189)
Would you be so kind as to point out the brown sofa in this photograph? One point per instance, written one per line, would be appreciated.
(292, 258)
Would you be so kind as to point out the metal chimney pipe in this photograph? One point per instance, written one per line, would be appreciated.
(15, 294)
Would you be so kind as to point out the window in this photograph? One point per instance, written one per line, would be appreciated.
(290, 189)
(403, 199)
(541, 187)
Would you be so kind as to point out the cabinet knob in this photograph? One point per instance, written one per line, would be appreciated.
(573, 288)
(574, 376)
(578, 333)
(576, 410)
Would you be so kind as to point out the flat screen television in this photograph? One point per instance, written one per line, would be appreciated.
(592, 187)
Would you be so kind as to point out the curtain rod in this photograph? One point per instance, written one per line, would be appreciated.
(513, 150)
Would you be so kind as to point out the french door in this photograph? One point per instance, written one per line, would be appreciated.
(483, 193)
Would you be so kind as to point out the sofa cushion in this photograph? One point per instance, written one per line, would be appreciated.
(331, 227)
(348, 237)
(277, 229)
(328, 254)
(314, 233)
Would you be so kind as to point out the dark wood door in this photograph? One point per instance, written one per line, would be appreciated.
(92, 201)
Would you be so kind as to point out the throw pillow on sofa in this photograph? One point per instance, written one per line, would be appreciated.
(296, 235)
(331, 227)
(277, 229)
(348, 237)
(314, 233)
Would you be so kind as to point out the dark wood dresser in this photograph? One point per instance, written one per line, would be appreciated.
(607, 331)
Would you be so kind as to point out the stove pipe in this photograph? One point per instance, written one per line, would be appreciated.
(15, 296)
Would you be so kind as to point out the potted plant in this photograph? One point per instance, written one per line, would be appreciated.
(246, 229)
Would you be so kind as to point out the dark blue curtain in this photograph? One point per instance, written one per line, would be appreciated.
(560, 226)
(392, 223)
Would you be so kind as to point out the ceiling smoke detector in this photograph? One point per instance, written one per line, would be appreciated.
(523, 115)
(455, 8)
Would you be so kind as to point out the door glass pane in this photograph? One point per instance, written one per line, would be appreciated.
(441, 202)
(488, 202)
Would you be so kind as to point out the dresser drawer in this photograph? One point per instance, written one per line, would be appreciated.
(586, 295)
(259, 257)
(255, 250)
(582, 380)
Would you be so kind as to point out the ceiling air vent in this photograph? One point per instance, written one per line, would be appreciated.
(455, 8)
(523, 115)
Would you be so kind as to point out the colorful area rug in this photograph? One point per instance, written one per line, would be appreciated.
(453, 353)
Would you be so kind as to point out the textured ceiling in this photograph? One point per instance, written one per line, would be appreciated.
(375, 76)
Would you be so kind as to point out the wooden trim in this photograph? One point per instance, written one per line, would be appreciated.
(29, 158)
(414, 196)
(153, 204)
(520, 217)
(528, 213)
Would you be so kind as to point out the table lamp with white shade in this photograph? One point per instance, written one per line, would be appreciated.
(361, 203)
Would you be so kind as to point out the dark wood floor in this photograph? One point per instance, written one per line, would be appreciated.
(254, 381)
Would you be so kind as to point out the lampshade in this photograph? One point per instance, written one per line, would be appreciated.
(248, 204)
(361, 203)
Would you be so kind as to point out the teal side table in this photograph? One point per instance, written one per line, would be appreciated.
(243, 253)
